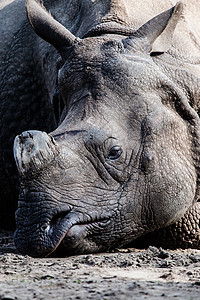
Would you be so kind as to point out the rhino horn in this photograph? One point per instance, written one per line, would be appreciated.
(158, 32)
(33, 150)
(47, 27)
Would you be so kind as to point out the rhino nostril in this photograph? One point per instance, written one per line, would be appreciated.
(30, 135)
(58, 217)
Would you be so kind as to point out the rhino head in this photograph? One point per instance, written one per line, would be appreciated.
(121, 163)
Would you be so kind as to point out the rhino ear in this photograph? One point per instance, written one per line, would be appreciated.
(47, 27)
(163, 42)
(158, 32)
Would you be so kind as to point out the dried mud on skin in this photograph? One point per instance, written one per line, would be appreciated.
(124, 274)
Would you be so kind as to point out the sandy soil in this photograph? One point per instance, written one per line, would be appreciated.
(123, 274)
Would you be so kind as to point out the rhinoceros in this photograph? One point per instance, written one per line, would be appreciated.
(116, 84)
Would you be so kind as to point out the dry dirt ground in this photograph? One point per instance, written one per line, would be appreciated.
(123, 274)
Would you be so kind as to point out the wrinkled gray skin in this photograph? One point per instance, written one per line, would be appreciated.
(124, 160)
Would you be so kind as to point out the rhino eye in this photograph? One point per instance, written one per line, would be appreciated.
(115, 152)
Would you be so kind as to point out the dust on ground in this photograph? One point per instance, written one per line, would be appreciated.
(153, 273)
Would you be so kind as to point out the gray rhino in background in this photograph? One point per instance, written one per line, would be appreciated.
(124, 159)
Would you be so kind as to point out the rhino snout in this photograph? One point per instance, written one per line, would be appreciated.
(32, 150)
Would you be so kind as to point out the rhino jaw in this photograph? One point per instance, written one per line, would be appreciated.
(65, 230)
(32, 150)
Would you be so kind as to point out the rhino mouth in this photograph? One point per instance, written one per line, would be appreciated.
(109, 28)
(73, 232)
(64, 235)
